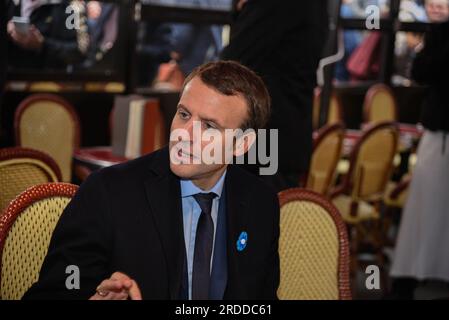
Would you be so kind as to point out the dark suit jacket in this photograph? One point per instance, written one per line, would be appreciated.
(431, 67)
(128, 218)
(282, 41)
(62, 46)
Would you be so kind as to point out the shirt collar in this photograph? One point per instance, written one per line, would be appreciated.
(188, 188)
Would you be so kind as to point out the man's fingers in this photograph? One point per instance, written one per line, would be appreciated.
(134, 292)
(119, 276)
(118, 287)
(10, 27)
(110, 285)
(123, 278)
(129, 284)
(110, 295)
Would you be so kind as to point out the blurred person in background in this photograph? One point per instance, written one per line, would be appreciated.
(407, 42)
(154, 46)
(437, 10)
(53, 40)
(421, 252)
(196, 44)
(283, 43)
(184, 45)
(351, 39)
(102, 22)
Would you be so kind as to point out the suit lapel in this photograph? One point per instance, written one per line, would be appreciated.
(237, 222)
(164, 197)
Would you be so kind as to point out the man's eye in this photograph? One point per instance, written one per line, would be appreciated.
(208, 125)
(184, 115)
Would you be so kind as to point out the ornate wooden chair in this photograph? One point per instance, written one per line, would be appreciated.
(379, 105)
(327, 149)
(313, 248)
(21, 168)
(360, 195)
(48, 123)
(26, 227)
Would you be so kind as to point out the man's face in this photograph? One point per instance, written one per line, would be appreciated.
(437, 10)
(209, 110)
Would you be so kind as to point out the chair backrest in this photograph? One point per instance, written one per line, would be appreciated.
(379, 105)
(26, 228)
(313, 248)
(371, 162)
(334, 115)
(21, 168)
(48, 123)
(328, 145)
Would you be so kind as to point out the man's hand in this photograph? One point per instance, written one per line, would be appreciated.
(32, 40)
(118, 287)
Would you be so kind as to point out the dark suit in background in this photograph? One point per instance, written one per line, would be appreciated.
(3, 42)
(282, 41)
(128, 218)
(431, 67)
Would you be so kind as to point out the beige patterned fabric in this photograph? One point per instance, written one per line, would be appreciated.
(48, 127)
(382, 108)
(334, 112)
(374, 164)
(324, 162)
(26, 246)
(16, 175)
(309, 252)
(334, 115)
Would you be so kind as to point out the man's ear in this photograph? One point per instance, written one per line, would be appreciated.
(244, 142)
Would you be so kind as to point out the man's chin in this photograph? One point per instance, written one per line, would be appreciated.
(183, 171)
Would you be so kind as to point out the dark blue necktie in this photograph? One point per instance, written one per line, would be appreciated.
(204, 240)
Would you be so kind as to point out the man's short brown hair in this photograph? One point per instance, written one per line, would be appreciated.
(231, 78)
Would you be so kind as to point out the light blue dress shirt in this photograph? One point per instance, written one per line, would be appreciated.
(191, 212)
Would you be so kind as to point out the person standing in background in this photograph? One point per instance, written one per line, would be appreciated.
(421, 252)
(283, 43)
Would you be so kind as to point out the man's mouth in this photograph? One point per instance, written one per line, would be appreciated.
(184, 154)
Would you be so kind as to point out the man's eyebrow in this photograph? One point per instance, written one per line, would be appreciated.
(215, 121)
(180, 105)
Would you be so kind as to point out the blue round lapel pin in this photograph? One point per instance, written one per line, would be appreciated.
(242, 241)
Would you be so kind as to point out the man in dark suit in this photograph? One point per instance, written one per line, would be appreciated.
(166, 227)
(282, 42)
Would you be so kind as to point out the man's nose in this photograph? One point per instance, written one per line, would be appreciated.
(189, 128)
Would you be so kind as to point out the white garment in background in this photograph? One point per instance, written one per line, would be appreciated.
(422, 249)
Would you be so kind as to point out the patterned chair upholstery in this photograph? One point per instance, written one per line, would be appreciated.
(335, 113)
(328, 145)
(25, 232)
(379, 105)
(21, 168)
(313, 248)
(48, 123)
